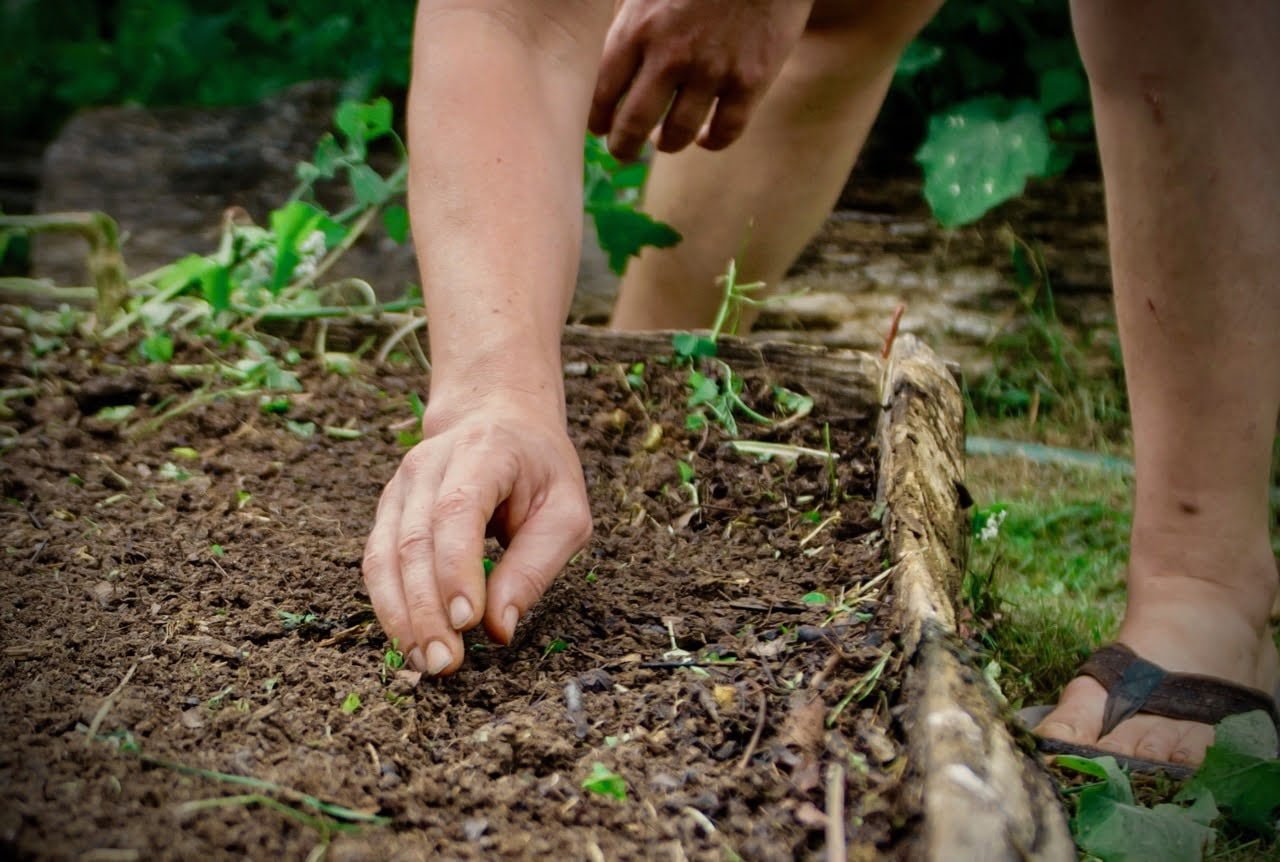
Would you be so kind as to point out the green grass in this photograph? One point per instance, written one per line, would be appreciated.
(1047, 587)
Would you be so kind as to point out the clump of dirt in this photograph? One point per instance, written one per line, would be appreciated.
(215, 563)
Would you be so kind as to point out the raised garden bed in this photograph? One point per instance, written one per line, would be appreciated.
(761, 651)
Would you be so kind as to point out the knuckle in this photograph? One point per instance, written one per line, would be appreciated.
(414, 546)
(453, 505)
(375, 563)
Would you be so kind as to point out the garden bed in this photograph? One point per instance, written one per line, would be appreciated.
(761, 651)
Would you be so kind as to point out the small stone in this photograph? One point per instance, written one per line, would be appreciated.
(474, 827)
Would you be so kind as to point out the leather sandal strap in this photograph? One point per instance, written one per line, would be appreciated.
(1136, 685)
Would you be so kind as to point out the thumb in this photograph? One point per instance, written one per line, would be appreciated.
(539, 550)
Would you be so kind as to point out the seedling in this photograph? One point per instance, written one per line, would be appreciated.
(293, 621)
(556, 646)
(635, 376)
(816, 598)
(604, 782)
(393, 658)
(301, 429)
(861, 688)
(351, 703)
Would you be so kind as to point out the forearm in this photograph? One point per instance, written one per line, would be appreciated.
(496, 115)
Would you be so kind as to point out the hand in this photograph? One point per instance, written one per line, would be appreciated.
(689, 59)
(503, 467)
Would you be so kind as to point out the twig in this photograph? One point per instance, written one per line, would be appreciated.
(818, 529)
(414, 324)
(755, 734)
(101, 714)
(893, 331)
(836, 850)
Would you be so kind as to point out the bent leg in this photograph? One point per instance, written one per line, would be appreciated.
(763, 198)
(1183, 95)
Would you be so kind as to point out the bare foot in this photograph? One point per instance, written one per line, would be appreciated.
(1181, 623)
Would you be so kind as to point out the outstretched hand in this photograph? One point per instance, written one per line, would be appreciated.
(704, 64)
(502, 467)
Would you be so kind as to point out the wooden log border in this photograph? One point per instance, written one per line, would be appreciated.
(982, 796)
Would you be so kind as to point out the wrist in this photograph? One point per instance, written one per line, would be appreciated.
(517, 373)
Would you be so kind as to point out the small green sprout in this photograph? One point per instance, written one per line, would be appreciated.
(488, 566)
(185, 453)
(279, 404)
(415, 404)
(393, 658)
(557, 645)
(242, 498)
(790, 403)
(74, 479)
(216, 550)
(685, 469)
(816, 598)
(301, 429)
(293, 621)
(343, 433)
(603, 782)
(813, 516)
(635, 376)
(169, 470)
(156, 347)
(592, 577)
(115, 414)
(351, 703)
(270, 684)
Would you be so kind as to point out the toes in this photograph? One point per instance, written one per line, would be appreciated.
(1160, 740)
(1191, 745)
(1078, 716)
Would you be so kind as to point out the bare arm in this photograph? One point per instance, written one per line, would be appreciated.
(498, 104)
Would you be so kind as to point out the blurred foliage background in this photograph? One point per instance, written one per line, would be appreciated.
(991, 94)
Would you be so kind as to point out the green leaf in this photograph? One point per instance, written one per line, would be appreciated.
(301, 429)
(688, 346)
(291, 224)
(192, 268)
(557, 645)
(791, 403)
(816, 598)
(919, 56)
(171, 471)
(395, 220)
(623, 232)
(703, 390)
(1245, 785)
(1251, 733)
(605, 783)
(695, 422)
(115, 414)
(1115, 784)
(363, 122)
(351, 703)
(1117, 832)
(185, 452)
(686, 472)
(156, 347)
(981, 153)
(368, 185)
(215, 286)
(1062, 86)
(328, 157)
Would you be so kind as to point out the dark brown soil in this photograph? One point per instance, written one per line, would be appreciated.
(186, 574)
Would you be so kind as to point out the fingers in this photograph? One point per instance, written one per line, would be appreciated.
(437, 646)
(382, 569)
(641, 109)
(685, 118)
(733, 109)
(618, 67)
(472, 488)
(552, 534)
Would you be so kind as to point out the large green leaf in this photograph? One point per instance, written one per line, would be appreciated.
(624, 231)
(1112, 827)
(979, 154)
(1242, 782)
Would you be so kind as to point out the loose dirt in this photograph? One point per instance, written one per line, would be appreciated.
(228, 584)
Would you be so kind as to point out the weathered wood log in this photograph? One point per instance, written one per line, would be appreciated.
(983, 797)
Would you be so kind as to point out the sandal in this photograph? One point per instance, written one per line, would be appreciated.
(1135, 685)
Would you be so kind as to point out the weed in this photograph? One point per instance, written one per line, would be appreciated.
(293, 621)
(351, 703)
(557, 645)
(604, 782)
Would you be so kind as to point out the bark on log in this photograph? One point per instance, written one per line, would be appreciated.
(983, 797)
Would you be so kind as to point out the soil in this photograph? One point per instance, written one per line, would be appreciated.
(225, 588)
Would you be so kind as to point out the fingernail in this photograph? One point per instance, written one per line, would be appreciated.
(510, 617)
(417, 661)
(460, 612)
(438, 657)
